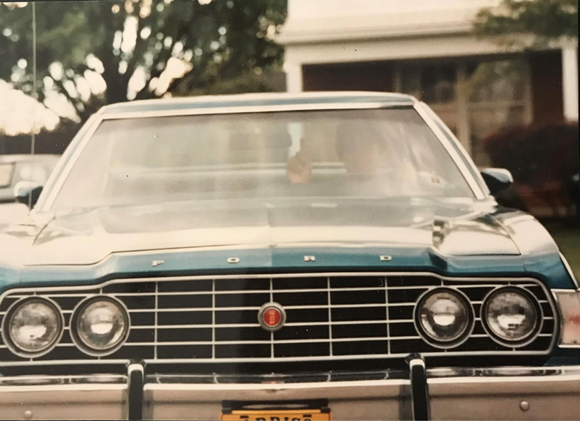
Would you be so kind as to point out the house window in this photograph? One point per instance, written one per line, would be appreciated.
(436, 84)
(498, 98)
(475, 98)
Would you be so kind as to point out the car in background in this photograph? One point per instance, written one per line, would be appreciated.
(281, 257)
(15, 169)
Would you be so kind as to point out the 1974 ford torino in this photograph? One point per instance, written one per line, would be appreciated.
(281, 257)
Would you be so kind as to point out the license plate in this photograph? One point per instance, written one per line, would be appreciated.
(282, 415)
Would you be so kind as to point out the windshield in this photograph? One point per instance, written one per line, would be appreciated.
(320, 154)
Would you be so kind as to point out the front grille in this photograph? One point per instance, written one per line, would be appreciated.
(329, 317)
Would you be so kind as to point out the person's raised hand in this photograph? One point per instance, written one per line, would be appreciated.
(299, 169)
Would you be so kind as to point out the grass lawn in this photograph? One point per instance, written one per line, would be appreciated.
(568, 240)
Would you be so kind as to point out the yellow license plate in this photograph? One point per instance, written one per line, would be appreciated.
(282, 415)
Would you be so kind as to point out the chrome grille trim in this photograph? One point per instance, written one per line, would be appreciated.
(271, 292)
(467, 280)
(283, 291)
(329, 306)
(249, 308)
(157, 316)
(157, 328)
(289, 341)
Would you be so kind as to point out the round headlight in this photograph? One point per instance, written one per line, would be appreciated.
(101, 325)
(32, 326)
(511, 315)
(444, 317)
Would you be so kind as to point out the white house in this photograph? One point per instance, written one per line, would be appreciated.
(426, 48)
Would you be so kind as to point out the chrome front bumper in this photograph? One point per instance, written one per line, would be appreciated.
(507, 393)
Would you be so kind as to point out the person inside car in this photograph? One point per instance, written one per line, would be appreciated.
(359, 147)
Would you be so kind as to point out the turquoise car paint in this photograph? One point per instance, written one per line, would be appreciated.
(549, 268)
(9, 277)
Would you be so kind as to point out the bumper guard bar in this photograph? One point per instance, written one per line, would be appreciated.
(419, 388)
(136, 384)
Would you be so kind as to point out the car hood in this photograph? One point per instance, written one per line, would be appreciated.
(460, 227)
(11, 213)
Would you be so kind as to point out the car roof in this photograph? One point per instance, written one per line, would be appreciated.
(262, 100)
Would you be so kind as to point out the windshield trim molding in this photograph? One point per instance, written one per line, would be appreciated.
(63, 175)
(247, 109)
(453, 153)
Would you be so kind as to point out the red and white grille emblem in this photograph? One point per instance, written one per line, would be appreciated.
(272, 316)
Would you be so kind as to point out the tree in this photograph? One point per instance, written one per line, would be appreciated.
(545, 20)
(130, 48)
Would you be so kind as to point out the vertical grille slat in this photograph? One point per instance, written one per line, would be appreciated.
(156, 318)
(272, 347)
(213, 318)
(329, 298)
(387, 319)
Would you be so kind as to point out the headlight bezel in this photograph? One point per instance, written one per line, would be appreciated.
(440, 343)
(6, 321)
(531, 336)
(74, 325)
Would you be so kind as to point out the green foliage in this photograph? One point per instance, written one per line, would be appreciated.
(222, 41)
(536, 154)
(546, 20)
(247, 82)
(543, 158)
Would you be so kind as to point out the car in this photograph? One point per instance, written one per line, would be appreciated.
(20, 168)
(281, 257)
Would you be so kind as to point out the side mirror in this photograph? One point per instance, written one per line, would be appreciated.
(27, 192)
(497, 179)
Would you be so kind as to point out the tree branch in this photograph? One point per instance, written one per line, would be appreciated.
(76, 103)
